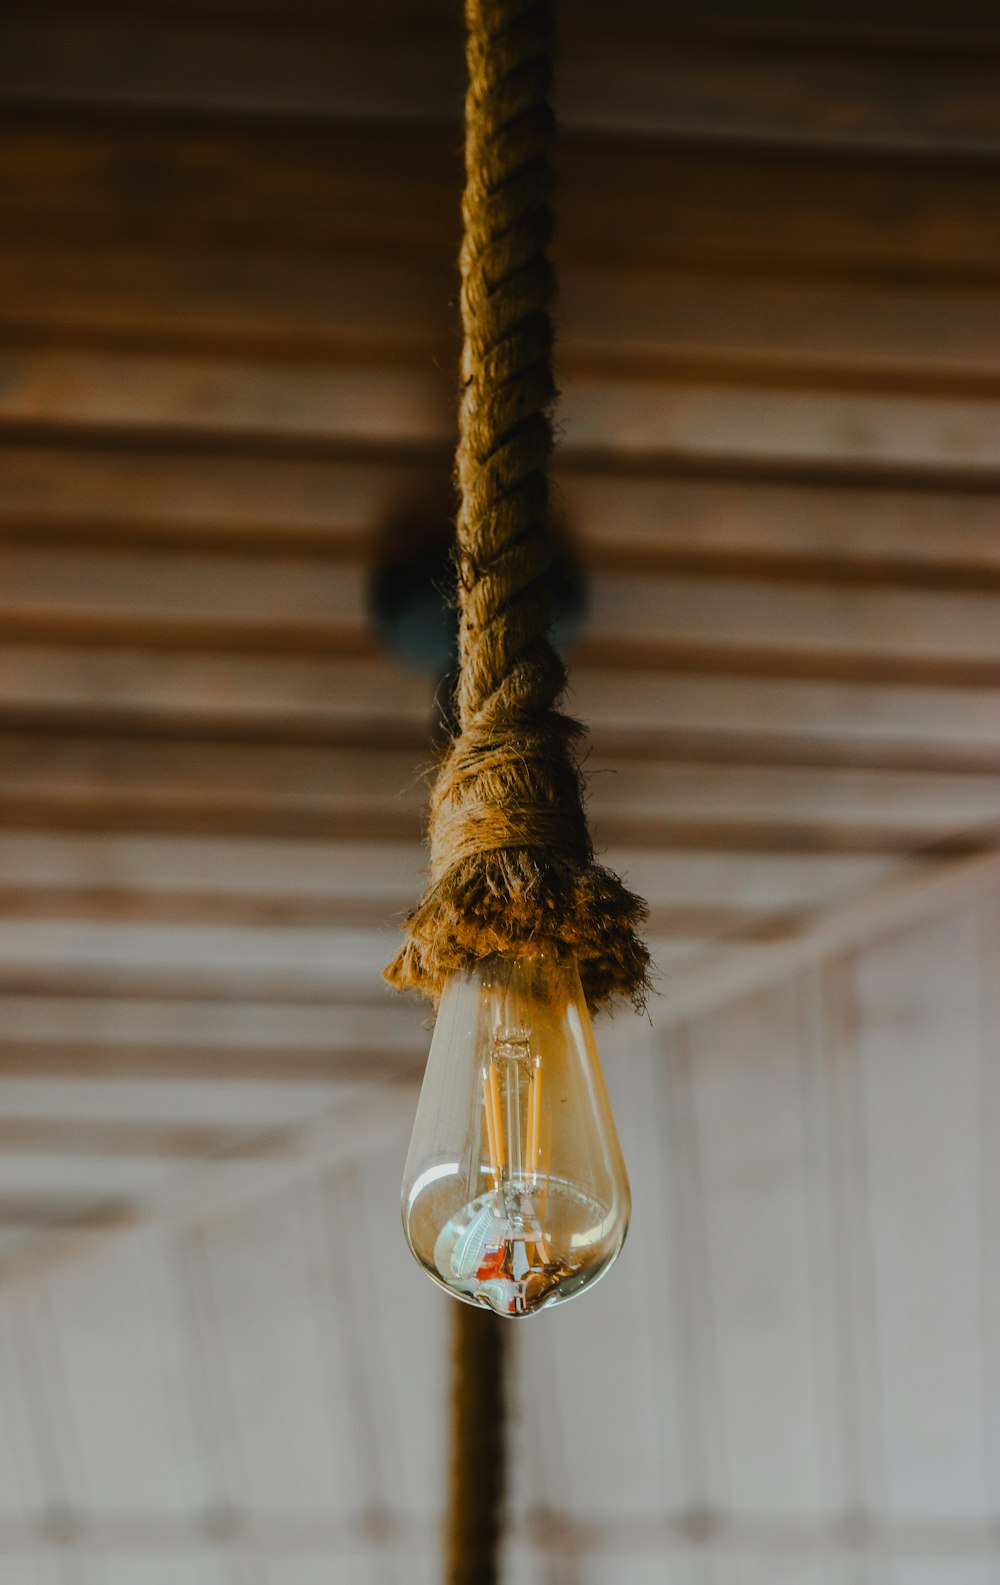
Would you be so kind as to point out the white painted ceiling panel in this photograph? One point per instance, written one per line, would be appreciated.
(21, 1491)
(942, 1571)
(317, 1567)
(749, 1152)
(32, 1567)
(403, 1331)
(596, 1364)
(635, 1567)
(203, 1565)
(110, 1337)
(920, 1088)
(285, 1378)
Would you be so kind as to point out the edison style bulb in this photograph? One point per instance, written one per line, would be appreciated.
(515, 1194)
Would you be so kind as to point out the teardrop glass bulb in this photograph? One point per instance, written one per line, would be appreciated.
(515, 1194)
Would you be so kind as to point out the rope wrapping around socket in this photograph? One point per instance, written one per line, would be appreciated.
(512, 865)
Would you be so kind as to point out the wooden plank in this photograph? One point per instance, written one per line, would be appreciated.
(836, 532)
(807, 621)
(789, 719)
(351, 700)
(831, 330)
(239, 502)
(182, 1022)
(884, 22)
(350, 307)
(334, 970)
(636, 418)
(205, 1102)
(194, 596)
(386, 873)
(379, 187)
(790, 795)
(919, 1083)
(54, 1136)
(611, 417)
(793, 95)
(364, 404)
(385, 310)
(119, 785)
(73, 905)
(301, 603)
(678, 85)
(380, 792)
(366, 702)
(916, 24)
(278, 1066)
(50, 495)
(389, 872)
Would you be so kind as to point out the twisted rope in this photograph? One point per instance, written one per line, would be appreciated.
(477, 1467)
(512, 864)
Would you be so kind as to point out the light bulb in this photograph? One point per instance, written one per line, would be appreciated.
(515, 1194)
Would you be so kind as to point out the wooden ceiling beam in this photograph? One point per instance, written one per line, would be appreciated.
(380, 309)
(409, 411)
(367, 704)
(53, 1136)
(386, 872)
(119, 785)
(680, 75)
(397, 188)
(99, 1062)
(636, 621)
(348, 511)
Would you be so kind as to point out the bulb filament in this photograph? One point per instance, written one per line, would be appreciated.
(512, 1082)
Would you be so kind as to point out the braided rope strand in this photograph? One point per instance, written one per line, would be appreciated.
(512, 864)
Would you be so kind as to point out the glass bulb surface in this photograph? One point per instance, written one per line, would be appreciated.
(515, 1194)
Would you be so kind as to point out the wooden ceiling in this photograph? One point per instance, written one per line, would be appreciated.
(227, 347)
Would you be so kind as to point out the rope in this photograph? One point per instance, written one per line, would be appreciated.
(476, 1488)
(512, 864)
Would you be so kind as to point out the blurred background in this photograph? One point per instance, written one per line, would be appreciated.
(228, 232)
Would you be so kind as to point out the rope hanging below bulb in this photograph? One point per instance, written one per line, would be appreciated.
(511, 860)
(477, 1471)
